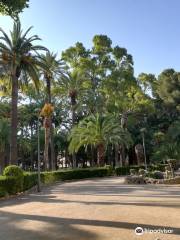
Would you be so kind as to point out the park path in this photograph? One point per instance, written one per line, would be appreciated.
(101, 209)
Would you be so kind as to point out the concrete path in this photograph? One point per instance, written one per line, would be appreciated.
(102, 209)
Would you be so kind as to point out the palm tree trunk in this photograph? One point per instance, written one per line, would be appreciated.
(73, 104)
(14, 120)
(100, 154)
(46, 149)
(49, 138)
(117, 160)
(52, 148)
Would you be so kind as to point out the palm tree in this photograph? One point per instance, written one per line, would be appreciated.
(72, 86)
(54, 69)
(18, 55)
(99, 131)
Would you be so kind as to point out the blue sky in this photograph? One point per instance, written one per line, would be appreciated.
(149, 29)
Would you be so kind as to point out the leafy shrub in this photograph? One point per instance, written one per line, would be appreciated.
(15, 171)
(30, 180)
(122, 171)
(134, 180)
(50, 177)
(8, 184)
(158, 167)
(3, 193)
(157, 175)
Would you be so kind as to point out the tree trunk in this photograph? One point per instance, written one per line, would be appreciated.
(117, 159)
(73, 104)
(53, 167)
(50, 135)
(46, 148)
(14, 120)
(100, 154)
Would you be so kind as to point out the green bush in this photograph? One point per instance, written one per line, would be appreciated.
(8, 184)
(15, 171)
(122, 171)
(3, 193)
(50, 177)
(158, 167)
(30, 180)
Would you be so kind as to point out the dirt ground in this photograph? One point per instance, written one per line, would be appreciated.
(102, 209)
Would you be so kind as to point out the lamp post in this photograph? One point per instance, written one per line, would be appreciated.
(38, 150)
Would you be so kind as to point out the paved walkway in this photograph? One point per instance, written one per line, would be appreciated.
(101, 209)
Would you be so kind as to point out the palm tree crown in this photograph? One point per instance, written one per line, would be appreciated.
(100, 131)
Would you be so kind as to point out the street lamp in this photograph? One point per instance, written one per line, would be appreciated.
(39, 161)
(143, 130)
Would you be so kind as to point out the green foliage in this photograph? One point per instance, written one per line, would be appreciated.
(3, 193)
(157, 167)
(17, 173)
(168, 87)
(30, 180)
(126, 170)
(4, 133)
(96, 130)
(8, 185)
(13, 7)
(50, 177)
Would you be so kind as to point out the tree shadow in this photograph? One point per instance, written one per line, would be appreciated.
(60, 227)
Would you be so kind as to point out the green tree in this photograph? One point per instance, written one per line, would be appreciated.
(18, 55)
(13, 7)
(99, 131)
(169, 87)
(54, 69)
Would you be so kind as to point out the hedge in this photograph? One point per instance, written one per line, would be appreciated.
(8, 185)
(122, 171)
(50, 177)
(30, 180)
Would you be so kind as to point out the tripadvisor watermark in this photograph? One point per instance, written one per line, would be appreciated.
(140, 231)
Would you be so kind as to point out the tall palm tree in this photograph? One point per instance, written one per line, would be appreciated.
(73, 86)
(18, 55)
(99, 131)
(54, 69)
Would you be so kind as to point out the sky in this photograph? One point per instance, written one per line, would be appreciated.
(148, 29)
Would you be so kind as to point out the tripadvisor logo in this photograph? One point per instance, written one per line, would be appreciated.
(141, 231)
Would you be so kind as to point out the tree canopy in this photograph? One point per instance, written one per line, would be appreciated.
(13, 7)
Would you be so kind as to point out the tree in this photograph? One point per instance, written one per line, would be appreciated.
(54, 69)
(169, 87)
(13, 7)
(99, 131)
(19, 57)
